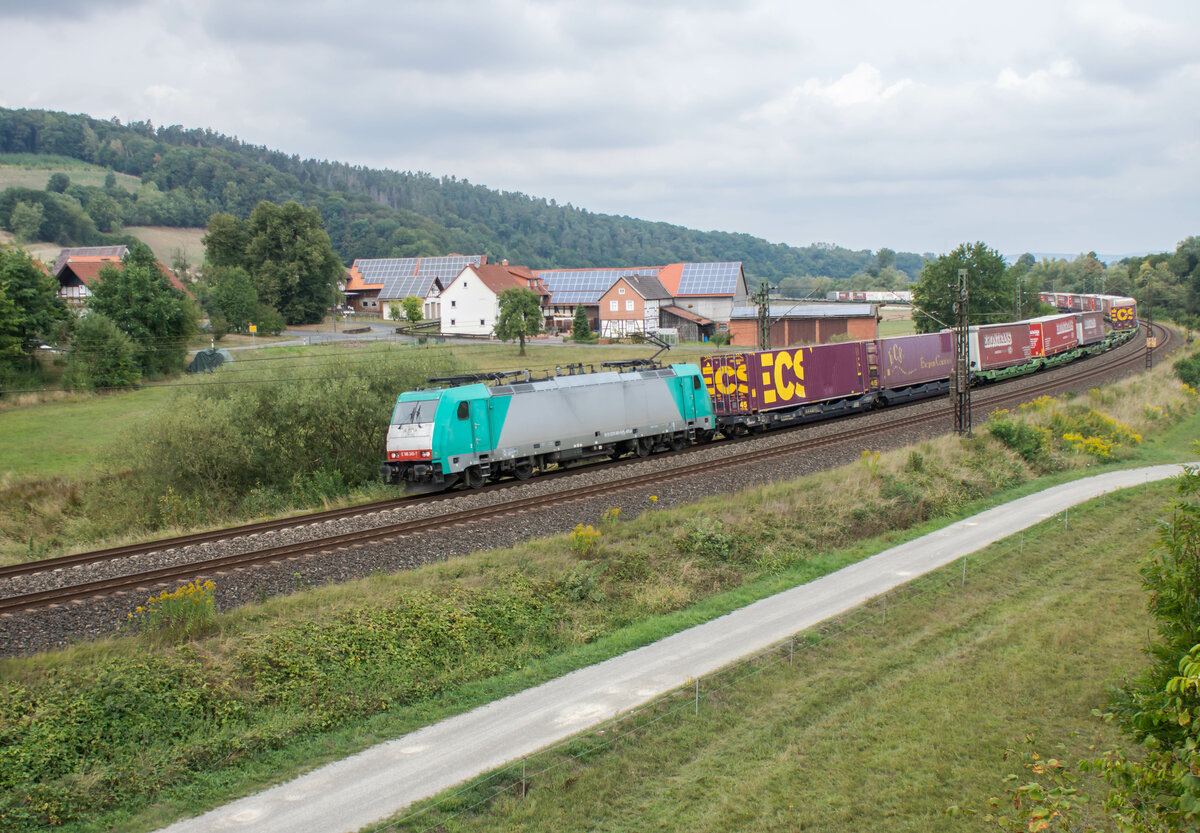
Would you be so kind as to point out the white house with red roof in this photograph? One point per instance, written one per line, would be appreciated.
(470, 305)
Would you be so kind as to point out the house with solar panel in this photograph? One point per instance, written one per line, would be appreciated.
(471, 303)
(693, 300)
(376, 285)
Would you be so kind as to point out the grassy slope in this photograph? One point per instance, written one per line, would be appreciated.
(887, 724)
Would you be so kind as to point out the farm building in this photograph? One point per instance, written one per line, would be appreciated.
(805, 324)
(701, 294)
(378, 284)
(470, 305)
(77, 269)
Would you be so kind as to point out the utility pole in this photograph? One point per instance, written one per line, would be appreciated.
(764, 316)
(1017, 305)
(1151, 341)
(961, 382)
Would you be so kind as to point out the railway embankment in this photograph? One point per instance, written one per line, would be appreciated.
(144, 728)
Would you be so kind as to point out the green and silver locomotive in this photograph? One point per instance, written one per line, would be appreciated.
(474, 433)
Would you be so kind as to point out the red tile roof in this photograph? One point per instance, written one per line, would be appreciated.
(87, 270)
(499, 277)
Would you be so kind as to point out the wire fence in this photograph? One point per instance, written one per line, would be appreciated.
(514, 778)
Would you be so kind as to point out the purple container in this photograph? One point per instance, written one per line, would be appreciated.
(770, 380)
(914, 360)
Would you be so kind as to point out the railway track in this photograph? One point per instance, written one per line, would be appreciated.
(1128, 357)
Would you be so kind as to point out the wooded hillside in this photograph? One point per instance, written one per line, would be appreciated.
(189, 174)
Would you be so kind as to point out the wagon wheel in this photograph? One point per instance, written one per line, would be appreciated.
(474, 478)
(678, 442)
(523, 470)
(643, 447)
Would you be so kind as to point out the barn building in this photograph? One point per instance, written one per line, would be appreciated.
(376, 285)
(805, 324)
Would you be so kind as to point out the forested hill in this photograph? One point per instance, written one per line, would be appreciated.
(189, 174)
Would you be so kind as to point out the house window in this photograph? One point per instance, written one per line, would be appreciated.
(612, 306)
(620, 290)
(451, 322)
(481, 324)
(629, 305)
(453, 303)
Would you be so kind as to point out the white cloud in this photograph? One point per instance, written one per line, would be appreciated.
(1062, 125)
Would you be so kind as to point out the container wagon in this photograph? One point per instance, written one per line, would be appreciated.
(1051, 336)
(914, 367)
(754, 390)
(999, 351)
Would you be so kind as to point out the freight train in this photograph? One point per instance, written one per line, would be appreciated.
(470, 432)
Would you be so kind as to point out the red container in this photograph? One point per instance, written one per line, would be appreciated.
(1089, 327)
(1052, 334)
(994, 346)
(768, 380)
(914, 360)
(1093, 303)
(1076, 303)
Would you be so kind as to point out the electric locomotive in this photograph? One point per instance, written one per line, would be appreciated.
(474, 433)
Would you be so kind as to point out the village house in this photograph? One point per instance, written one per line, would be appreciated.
(805, 324)
(379, 285)
(77, 269)
(470, 304)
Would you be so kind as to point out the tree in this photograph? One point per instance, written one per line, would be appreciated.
(25, 220)
(414, 308)
(292, 262)
(140, 300)
(886, 258)
(58, 183)
(988, 283)
(581, 330)
(31, 308)
(101, 356)
(520, 316)
(234, 297)
(226, 240)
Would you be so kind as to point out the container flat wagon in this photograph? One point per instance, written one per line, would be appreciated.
(754, 390)
(999, 351)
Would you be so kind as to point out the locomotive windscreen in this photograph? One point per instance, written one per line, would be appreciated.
(414, 411)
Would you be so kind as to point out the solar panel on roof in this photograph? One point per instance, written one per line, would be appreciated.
(709, 278)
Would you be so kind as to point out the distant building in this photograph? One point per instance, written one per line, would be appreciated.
(805, 323)
(470, 305)
(379, 284)
(698, 296)
(77, 269)
(632, 305)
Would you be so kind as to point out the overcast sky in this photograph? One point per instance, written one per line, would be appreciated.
(1033, 125)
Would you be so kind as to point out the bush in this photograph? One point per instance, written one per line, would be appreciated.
(216, 449)
(1188, 370)
(707, 537)
(101, 356)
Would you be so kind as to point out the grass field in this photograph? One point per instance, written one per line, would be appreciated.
(165, 241)
(34, 171)
(885, 724)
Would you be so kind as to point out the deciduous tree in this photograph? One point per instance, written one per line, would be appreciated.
(414, 308)
(101, 356)
(292, 262)
(520, 316)
(31, 308)
(990, 288)
(140, 300)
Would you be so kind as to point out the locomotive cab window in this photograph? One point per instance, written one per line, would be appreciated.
(464, 410)
(696, 382)
(413, 412)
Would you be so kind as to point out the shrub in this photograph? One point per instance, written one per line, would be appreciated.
(1188, 370)
(101, 356)
(707, 537)
(584, 540)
